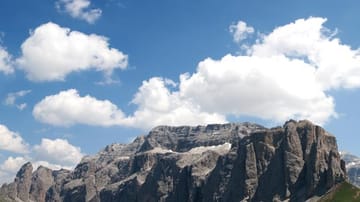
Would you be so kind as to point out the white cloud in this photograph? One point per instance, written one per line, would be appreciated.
(57, 152)
(240, 31)
(286, 74)
(52, 166)
(337, 65)
(9, 168)
(79, 9)
(12, 97)
(156, 105)
(53, 154)
(274, 88)
(11, 141)
(6, 65)
(21, 106)
(52, 52)
(68, 107)
(12, 164)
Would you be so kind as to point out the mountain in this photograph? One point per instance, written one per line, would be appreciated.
(218, 162)
(352, 167)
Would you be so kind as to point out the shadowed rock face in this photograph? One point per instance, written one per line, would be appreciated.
(220, 162)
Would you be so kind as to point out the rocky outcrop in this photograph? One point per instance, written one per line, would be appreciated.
(352, 167)
(219, 162)
(42, 180)
(29, 185)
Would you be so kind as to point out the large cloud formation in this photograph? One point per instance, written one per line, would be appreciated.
(285, 74)
(52, 52)
(273, 88)
(156, 106)
(336, 65)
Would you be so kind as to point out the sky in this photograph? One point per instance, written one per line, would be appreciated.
(77, 75)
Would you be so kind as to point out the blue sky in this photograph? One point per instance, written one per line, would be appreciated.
(76, 75)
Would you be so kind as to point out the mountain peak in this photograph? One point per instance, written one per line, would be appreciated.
(230, 162)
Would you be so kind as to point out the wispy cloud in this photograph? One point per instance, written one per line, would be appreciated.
(11, 98)
(6, 61)
(79, 9)
(240, 31)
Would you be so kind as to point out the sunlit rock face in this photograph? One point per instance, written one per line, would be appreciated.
(218, 162)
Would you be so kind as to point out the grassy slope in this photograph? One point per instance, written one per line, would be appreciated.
(344, 192)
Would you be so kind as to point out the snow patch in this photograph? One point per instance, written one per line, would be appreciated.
(160, 150)
(223, 148)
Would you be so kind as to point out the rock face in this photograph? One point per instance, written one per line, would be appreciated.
(352, 167)
(29, 185)
(220, 162)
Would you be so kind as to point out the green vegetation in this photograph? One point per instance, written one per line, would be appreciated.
(344, 192)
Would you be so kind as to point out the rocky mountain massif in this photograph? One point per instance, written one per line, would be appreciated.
(220, 162)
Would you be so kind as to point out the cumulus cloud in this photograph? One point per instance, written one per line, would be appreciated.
(9, 168)
(52, 52)
(285, 74)
(273, 88)
(53, 154)
(337, 65)
(6, 63)
(12, 141)
(79, 9)
(57, 152)
(240, 31)
(68, 107)
(12, 97)
(12, 164)
(156, 106)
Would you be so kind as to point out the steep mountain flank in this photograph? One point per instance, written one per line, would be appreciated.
(219, 162)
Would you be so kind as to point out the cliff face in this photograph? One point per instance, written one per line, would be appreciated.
(229, 162)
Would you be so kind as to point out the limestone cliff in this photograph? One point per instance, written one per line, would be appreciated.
(219, 162)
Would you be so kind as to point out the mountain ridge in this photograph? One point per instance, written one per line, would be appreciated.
(217, 162)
